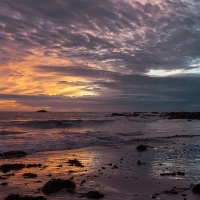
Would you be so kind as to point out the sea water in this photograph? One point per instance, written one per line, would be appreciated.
(37, 132)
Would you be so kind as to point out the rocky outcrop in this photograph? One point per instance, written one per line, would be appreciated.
(56, 185)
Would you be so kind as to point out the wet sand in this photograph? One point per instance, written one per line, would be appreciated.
(117, 171)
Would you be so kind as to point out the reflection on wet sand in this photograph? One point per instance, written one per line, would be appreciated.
(115, 171)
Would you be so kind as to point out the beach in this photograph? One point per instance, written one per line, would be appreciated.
(165, 169)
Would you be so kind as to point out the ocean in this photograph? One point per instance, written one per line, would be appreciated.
(37, 132)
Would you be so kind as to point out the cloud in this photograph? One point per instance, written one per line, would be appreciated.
(104, 48)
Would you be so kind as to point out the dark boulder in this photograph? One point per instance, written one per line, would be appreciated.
(142, 147)
(56, 185)
(93, 195)
(196, 189)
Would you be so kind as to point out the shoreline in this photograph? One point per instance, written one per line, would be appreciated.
(127, 180)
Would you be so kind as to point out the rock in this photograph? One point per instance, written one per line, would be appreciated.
(171, 191)
(114, 167)
(17, 166)
(41, 111)
(125, 114)
(4, 183)
(29, 175)
(196, 189)
(33, 165)
(140, 163)
(56, 185)
(141, 148)
(168, 174)
(8, 167)
(173, 174)
(94, 195)
(181, 173)
(20, 197)
(13, 154)
(182, 115)
(75, 162)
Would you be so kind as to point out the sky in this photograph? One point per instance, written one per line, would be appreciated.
(100, 55)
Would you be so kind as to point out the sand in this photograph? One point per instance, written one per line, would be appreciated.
(113, 170)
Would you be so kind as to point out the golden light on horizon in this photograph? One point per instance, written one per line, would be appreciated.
(24, 78)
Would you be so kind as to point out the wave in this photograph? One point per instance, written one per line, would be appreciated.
(57, 123)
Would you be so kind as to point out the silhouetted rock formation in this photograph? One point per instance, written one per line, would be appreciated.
(126, 114)
(181, 115)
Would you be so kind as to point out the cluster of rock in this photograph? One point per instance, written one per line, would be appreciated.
(181, 115)
(17, 166)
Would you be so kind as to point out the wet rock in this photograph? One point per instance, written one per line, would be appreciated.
(29, 175)
(93, 195)
(171, 191)
(75, 162)
(13, 154)
(34, 165)
(16, 166)
(8, 167)
(181, 173)
(173, 174)
(182, 115)
(20, 197)
(125, 114)
(140, 163)
(196, 189)
(168, 174)
(56, 185)
(141, 148)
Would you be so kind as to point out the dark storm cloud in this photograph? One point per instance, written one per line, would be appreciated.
(163, 35)
(127, 89)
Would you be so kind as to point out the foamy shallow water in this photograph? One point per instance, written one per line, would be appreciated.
(37, 132)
